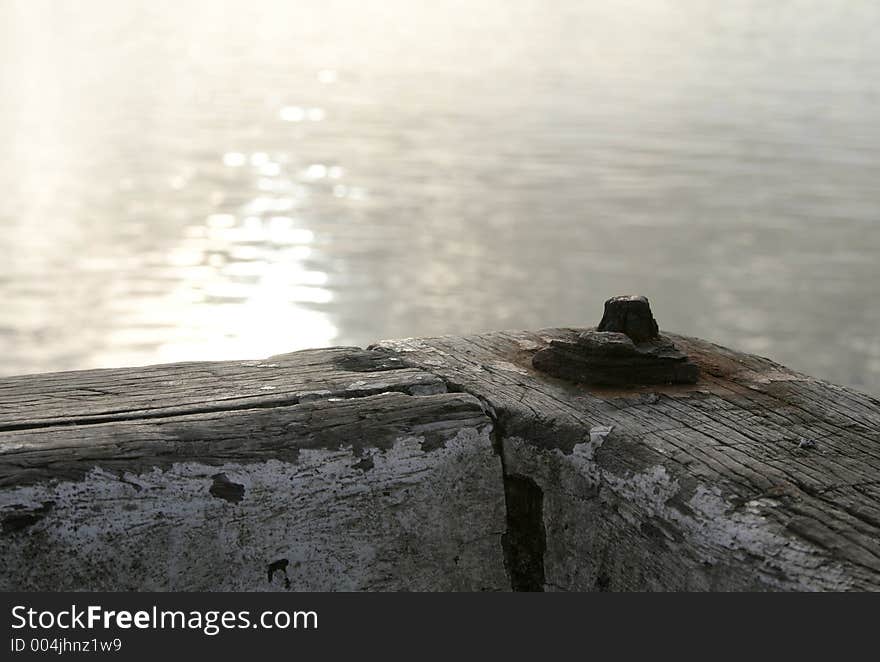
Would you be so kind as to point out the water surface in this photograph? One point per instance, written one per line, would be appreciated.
(212, 180)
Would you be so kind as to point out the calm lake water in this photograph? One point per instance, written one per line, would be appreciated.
(220, 180)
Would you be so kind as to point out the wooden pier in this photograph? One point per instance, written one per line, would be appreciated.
(446, 463)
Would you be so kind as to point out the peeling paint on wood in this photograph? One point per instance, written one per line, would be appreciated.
(417, 521)
(699, 486)
(437, 464)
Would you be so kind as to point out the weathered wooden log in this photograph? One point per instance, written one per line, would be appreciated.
(446, 463)
(336, 469)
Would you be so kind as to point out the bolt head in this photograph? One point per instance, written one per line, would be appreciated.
(630, 315)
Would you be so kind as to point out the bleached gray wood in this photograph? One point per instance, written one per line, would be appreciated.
(437, 463)
(334, 469)
(756, 477)
(91, 396)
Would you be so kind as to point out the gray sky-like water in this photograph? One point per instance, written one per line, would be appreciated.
(220, 180)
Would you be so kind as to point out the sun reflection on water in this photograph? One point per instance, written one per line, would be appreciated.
(238, 179)
(247, 279)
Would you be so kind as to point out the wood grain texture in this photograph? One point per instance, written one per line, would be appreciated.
(756, 477)
(93, 396)
(394, 519)
(437, 463)
(335, 469)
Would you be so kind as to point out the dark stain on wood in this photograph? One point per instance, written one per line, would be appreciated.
(525, 540)
(278, 566)
(22, 517)
(223, 488)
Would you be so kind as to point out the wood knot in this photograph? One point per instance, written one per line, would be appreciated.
(626, 349)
